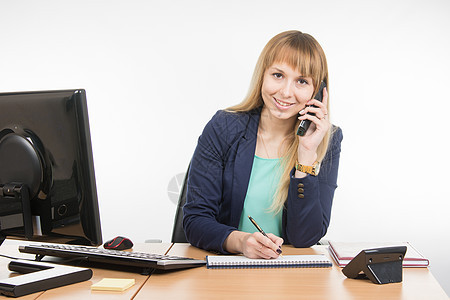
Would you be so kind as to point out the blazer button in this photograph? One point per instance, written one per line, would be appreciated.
(300, 185)
(300, 190)
(301, 196)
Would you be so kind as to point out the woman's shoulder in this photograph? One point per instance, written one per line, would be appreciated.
(233, 121)
(334, 147)
(229, 115)
(226, 128)
(336, 134)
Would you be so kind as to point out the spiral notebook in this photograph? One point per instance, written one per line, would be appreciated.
(286, 261)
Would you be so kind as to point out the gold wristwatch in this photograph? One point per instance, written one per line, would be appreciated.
(313, 170)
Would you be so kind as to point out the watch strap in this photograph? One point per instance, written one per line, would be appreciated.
(307, 169)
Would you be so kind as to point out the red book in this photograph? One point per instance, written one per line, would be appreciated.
(344, 252)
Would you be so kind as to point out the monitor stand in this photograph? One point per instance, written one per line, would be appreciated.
(40, 276)
(17, 195)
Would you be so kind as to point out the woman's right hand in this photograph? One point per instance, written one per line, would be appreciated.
(253, 245)
(320, 123)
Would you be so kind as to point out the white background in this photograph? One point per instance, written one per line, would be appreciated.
(155, 72)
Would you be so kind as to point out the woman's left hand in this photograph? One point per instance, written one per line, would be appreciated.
(320, 123)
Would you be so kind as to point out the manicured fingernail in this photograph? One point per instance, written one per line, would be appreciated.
(302, 112)
(279, 251)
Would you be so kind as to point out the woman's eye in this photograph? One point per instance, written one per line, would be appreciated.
(302, 81)
(277, 75)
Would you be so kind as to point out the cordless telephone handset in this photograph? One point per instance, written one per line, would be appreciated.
(304, 124)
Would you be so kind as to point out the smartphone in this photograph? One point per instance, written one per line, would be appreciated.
(304, 124)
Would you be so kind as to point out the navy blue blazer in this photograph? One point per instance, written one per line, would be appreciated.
(218, 180)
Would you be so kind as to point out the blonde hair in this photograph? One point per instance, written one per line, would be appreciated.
(303, 53)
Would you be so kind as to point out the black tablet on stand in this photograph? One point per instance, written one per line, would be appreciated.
(380, 265)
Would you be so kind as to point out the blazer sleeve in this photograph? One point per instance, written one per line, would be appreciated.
(307, 213)
(204, 188)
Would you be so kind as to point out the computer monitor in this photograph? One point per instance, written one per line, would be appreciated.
(47, 181)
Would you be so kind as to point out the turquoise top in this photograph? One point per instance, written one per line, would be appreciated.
(262, 186)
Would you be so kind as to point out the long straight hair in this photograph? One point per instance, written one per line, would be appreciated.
(304, 54)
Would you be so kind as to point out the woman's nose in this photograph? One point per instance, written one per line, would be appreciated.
(286, 89)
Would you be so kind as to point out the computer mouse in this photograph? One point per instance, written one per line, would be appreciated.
(118, 243)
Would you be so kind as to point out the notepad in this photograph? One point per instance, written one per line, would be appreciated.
(113, 284)
(286, 261)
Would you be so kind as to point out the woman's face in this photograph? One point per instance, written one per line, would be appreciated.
(285, 91)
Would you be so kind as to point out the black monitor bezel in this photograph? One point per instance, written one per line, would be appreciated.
(89, 209)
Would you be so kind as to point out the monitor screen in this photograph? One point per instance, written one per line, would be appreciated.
(47, 182)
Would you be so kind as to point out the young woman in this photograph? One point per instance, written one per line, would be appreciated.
(250, 161)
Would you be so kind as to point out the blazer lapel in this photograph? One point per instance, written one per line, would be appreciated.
(243, 166)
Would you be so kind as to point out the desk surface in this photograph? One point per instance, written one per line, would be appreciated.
(284, 283)
(202, 283)
(82, 290)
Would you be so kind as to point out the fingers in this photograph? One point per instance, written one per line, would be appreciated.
(325, 97)
(259, 246)
(314, 114)
(276, 240)
(315, 108)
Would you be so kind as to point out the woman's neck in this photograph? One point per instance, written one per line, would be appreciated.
(272, 134)
(274, 127)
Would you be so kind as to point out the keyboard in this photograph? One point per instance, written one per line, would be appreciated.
(113, 257)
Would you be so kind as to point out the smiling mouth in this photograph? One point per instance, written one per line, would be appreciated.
(281, 103)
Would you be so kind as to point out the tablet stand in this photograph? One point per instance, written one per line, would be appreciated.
(380, 265)
(40, 276)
